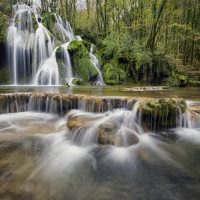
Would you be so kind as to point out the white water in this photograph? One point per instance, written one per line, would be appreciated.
(27, 49)
(96, 64)
(32, 54)
(65, 29)
(44, 155)
(67, 62)
(47, 73)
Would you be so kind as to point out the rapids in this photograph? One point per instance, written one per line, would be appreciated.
(42, 157)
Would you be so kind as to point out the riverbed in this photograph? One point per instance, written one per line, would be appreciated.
(41, 157)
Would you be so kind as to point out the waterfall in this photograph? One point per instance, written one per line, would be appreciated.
(32, 54)
(43, 47)
(189, 119)
(26, 49)
(96, 64)
(48, 73)
(20, 41)
(67, 62)
(65, 29)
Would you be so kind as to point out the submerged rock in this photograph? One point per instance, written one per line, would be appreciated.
(107, 133)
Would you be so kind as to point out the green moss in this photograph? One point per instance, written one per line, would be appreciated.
(49, 20)
(3, 29)
(82, 66)
(78, 48)
(162, 113)
(84, 69)
(77, 82)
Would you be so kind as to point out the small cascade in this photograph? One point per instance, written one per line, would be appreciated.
(189, 119)
(65, 29)
(67, 62)
(63, 103)
(96, 64)
(43, 47)
(48, 73)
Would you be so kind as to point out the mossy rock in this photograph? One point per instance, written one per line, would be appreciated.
(113, 75)
(84, 69)
(82, 66)
(3, 29)
(162, 113)
(78, 48)
(49, 20)
(77, 81)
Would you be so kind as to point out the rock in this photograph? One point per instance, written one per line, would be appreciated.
(147, 88)
(107, 134)
(161, 113)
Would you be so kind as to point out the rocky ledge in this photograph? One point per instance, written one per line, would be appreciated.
(155, 113)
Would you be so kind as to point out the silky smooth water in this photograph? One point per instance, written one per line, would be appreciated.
(40, 158)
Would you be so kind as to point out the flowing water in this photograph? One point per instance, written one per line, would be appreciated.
(31, 48)
(96, 64)
(43, 157)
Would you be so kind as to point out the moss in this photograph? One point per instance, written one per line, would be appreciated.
(162, 113)
(3, 29)
(77, 81)
(113, 75)
(82, 66)
(84, 69)
(78, 48)
(49, 20)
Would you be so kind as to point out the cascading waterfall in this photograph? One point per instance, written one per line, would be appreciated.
(30, 52)
(96, 64)
(100, 145)
(48, 73)
(67, 62)
(65, 29)
(26, 49)
(20, 43)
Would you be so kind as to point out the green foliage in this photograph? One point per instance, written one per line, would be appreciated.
(113, 75)
(84, 69)
(48, 19)
(78, 48)
(5, 6)
(3, 27)
(177, 80)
